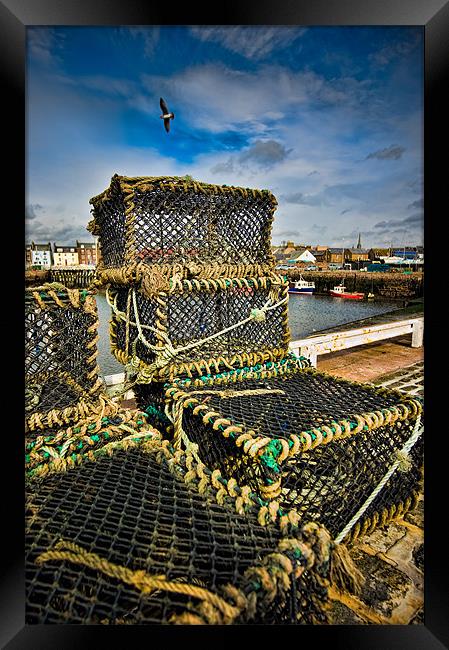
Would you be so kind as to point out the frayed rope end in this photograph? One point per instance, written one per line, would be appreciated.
(344, 575)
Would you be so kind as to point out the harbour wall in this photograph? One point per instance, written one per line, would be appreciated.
(390, 285)
(70, 278)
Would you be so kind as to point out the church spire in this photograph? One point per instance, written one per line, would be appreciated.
(359, 243)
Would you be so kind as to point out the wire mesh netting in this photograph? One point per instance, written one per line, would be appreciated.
(60, 354)
(218, 324)
(129, 539)
(173, 220)
(308, 440)
(151, 397)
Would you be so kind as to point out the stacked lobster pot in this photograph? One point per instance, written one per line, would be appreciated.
(189, 275)
(140, 533)
(200, 317)
(67, 413)
(346, 455)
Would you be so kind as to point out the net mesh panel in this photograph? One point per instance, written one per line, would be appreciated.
(151, 398)
(175, 220)
(329, 483)
(196, 315)
(110, 217)
(133, 512)
(58, 364)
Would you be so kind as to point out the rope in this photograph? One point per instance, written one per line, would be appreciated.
(168, 353)
(178, 407)
(399, 462)
(264, 584)
(141, 580)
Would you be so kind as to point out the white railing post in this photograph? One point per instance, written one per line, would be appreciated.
(310, 352)
(418, 334)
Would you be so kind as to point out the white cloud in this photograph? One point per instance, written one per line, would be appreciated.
(314, 124)
(216, 98)
(401, 49)
(44, 45)
(149, 35)
(252, 42)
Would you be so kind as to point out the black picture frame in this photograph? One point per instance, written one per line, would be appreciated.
(433, 16)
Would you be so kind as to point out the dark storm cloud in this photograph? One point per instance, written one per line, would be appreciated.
(419, 203)
(265, 152)
(64, 234)
(31, 209)
(412, 220)
(318, 229)
(304, 199)
(224, 167)
(286, 233)
(331, 194)
(393, 152)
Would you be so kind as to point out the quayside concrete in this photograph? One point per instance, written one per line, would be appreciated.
(371, 361)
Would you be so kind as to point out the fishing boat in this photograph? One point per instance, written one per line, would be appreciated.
(340, 292)
(302, 286)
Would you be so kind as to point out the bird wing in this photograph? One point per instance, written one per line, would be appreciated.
(167, 124)
(163, 105)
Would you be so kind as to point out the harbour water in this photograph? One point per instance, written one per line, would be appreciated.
(307, 315)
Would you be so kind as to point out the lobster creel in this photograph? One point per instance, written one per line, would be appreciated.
(143, 534)
(311, 441)
(146, 222)
(200, 327)
(61, 372)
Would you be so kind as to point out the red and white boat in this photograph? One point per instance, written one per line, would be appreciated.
(340, 292)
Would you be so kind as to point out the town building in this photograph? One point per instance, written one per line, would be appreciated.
(319, 254)
(356, 254)
(28, 255)
(280, 255)
(40, 255)
(87, 253)
(304, 259)
(65, 256)
(378, 253)
(335, 255)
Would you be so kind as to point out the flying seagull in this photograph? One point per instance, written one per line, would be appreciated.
(166, 115)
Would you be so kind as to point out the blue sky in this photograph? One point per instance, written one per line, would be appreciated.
(329, 119)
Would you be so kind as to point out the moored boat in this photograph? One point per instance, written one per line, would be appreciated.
(340, 292)
(302, 286)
